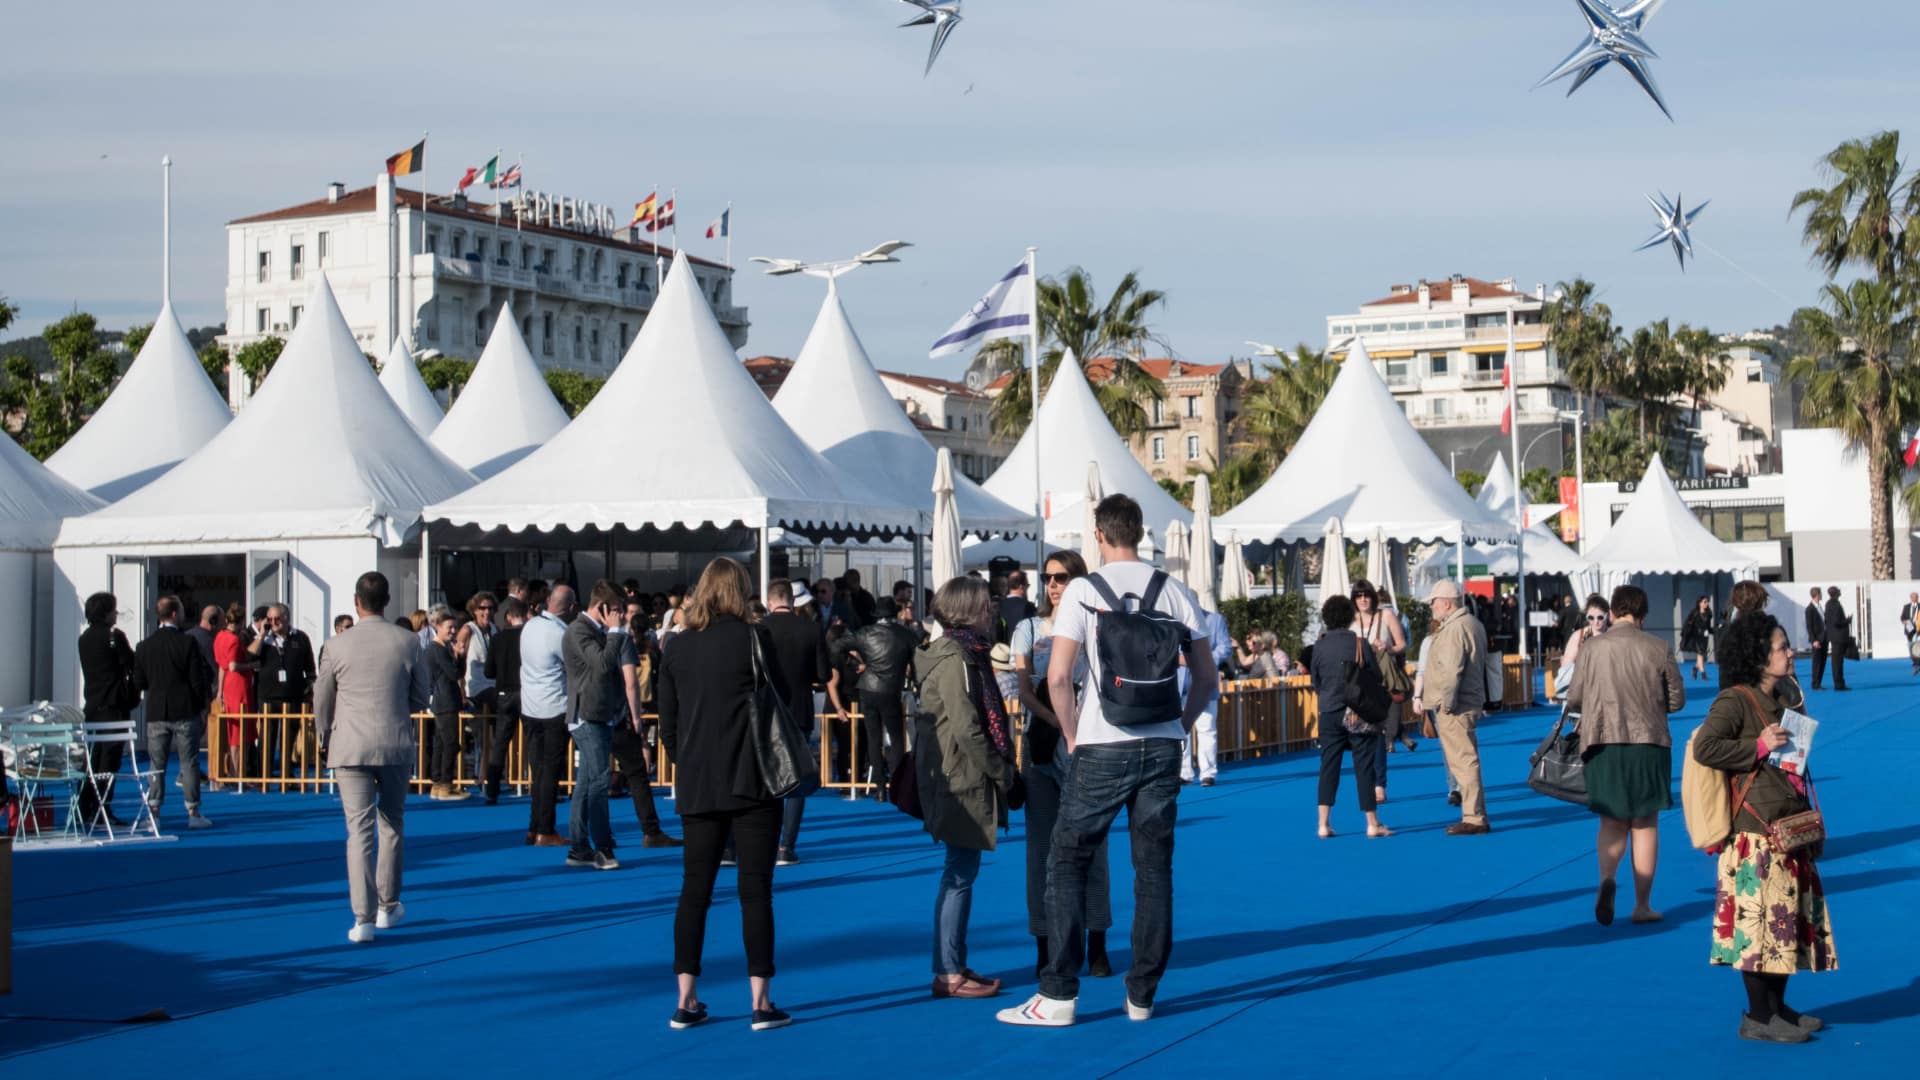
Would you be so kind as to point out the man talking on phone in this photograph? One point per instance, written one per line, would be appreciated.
(596, 695)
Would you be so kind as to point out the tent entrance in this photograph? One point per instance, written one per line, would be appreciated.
(199, 580)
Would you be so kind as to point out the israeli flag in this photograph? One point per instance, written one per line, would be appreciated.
(1006, 311)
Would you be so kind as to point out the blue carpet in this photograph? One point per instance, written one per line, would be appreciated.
(1418, 954)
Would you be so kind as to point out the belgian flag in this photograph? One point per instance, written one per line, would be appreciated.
(408, 161)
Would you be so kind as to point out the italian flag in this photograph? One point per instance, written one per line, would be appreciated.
(486, 174)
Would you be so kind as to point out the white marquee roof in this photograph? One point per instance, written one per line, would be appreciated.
(1361, 461)
(408, 390)
(506, 411)
(1076, 432)
(679, 436)
(1657, 534)
(163, 409)
(320, 451)
(834, 399)
(33, 500)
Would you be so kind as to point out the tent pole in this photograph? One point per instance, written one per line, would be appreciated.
(425, 587)
(766, 562)
(1033, 422)
(919, 574)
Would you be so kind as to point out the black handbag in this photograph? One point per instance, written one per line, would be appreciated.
(1366, 694)
(1556, 768)
(787, 765)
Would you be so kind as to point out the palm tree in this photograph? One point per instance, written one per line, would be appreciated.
(1862, 219)
(1582, 334)
(1858, 383)
(1651, 371)
(1114, 333)
(1615, 449)
(1277, 407)
(1702, 368)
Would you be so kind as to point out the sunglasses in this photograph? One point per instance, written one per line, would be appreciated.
(1056, 579)
(1596, 618)
(484, 607)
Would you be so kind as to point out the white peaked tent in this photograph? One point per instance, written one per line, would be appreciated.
(1546, 555)
(719, 453)
(33, 502)
(409, 391)
(1499, 489)
(1076, 433)
(163, 409)
(319, 479)
(834, 400)
(1657, 534)
(1362, 462)
(506, 411)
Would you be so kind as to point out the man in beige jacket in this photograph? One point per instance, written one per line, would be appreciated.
(363, 714)
(1454, 686)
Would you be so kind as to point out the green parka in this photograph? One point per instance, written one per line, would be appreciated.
(964, 784)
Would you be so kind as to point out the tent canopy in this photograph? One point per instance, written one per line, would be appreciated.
(716, 452)
(506, 411)
(1361, 461)
(834, 400)
(1657, 534)
(33, 500)
(122, 448)
(320, 451)
(1077, 432)
(408, 390)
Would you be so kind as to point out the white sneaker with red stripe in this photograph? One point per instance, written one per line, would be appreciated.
(1039, 1011)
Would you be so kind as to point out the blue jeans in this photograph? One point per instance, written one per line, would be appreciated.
(950, 909)
(591, 828)
(1142, 775)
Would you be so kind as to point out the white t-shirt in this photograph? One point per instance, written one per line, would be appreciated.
(1073, 620)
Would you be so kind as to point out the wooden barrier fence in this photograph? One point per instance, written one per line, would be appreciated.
(1256, 717)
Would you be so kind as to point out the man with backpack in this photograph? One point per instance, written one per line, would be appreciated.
(1124, 734)
(1455, 685)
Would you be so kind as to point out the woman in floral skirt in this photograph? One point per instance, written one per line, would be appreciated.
(1770, 913)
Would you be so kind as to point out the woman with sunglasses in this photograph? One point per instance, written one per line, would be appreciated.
(1595, 622)
(1046, 765)
(1380, 628)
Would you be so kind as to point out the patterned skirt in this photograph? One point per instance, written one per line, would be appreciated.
(1770, 913)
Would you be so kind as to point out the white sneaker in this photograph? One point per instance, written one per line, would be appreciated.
(361, 933)
(1039, 1011)
(195, 821)
(1138, 1012)
(388, 918)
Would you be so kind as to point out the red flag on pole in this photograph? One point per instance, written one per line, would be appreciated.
(1913, 450)
(1506, 413)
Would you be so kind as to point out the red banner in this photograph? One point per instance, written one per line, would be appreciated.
(1570, 517)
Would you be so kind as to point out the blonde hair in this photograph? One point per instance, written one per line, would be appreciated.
(724, 589)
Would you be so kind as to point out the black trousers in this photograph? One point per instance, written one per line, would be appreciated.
(630, 761)
(547, 744)
(1335, 742)
(880, 712)
(446, 747)
(104, 760)
(479, 729)
(755, 830)
(506, 718)
(1838, 656)
(1820, 665)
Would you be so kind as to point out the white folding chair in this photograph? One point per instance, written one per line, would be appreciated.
(126, 733)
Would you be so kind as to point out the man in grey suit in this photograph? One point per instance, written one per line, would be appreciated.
(595, 693)
(363, 703)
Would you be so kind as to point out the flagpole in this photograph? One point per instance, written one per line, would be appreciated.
(1519, 506)
(659, 263)
(166, 231)
(726, 227)
(497, 189)
(413, 285)
(673, 196)
(1033, 423)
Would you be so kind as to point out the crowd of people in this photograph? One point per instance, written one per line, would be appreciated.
(1098, 693)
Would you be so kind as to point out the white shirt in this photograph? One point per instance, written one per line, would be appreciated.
(1072, 620)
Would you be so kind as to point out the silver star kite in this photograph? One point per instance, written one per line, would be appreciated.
(1675, 220)
(1613, 37)
(943, 17)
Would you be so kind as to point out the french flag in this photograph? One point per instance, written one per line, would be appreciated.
(718, 228)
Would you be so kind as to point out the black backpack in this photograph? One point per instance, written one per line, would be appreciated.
(1139, 656)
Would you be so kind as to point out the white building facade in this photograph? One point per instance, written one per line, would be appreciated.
(954, 416)
(439, 270)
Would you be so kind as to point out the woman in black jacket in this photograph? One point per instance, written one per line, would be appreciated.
(1696, 632)
(1334, 654)
(1770, 911)
(106, 662)
(705, 698)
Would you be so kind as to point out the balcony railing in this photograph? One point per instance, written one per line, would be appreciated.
(1522, 332)
(1474, 377)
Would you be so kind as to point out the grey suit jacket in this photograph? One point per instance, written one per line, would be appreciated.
(595, 690)
(363, 699)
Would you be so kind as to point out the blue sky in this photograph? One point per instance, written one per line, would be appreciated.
(1264, 163)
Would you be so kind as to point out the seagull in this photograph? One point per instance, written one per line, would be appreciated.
(942, 16)
(1613, 37)
(1675, 220)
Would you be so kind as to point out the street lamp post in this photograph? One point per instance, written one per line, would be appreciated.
(833, 268)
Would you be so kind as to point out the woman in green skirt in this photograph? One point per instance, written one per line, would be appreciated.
(1770, 911)
(1623, 688)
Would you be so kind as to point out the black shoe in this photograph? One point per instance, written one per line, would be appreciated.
(1453, 798)
(581, 857)
(116, 821)
(768, 1019)
(1776, 1030)
(1098, 965)
(604, 860)
(727, 859)
(1206, 781)
(786, 857)
(686, 1018)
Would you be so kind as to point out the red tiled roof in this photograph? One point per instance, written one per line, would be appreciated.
(769, 372)
(361, 201)
(928, 382)
(1100, 369)
(1442, 290)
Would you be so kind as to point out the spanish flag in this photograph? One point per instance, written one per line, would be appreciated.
(643, 210)
(409, 161)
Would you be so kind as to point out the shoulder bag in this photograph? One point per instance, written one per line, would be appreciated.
(787, 765)
(1556, 768)
(1366, 696)
(1802, 832)
(1393, 669)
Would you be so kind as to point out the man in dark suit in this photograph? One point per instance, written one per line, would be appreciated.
(168, 669)
(1015, 608)
(800, 654)
(596, 693)
(105, 661)
(1910, 624)
(285, 676)
(503, 667)
(1817, 635)
(1839, 633)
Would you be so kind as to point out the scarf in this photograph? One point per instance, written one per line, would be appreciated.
(978, 654)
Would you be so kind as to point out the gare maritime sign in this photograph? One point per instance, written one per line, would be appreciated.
(558, 212)
(1694, 483)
